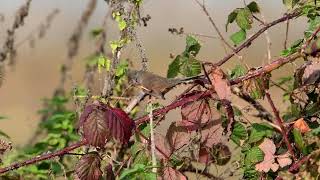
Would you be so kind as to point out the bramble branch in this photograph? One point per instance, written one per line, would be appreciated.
(249, 41)
(280, 123)
(43, 157)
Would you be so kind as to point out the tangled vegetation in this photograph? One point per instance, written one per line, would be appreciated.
(111, 133)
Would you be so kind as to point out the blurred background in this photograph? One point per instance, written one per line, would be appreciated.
(36, 73)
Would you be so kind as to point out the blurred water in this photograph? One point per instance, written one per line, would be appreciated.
(36, 73)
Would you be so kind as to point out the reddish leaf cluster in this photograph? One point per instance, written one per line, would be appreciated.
(101, 122)
(89, 167)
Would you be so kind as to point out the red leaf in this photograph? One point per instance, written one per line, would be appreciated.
(120, 124)
(163, 150)
(171, 174)
(177, 136)
(109, 172)
(88, 167)
(95, 128)
(204, 155)
(197, 114)
(101, 122)
(211, 134)
(220, 83)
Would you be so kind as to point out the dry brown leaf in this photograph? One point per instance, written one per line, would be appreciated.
(301, 125)
(220, 84)
(284, 160)
(268, 148)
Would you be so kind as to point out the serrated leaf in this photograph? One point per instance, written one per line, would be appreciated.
(244, 18)
(174, 68)
(138, 172)
(95, 127)
(238, 37)
(197, 114)
(101, 122)
(220, 84)
(259, 131)
(269, 148)
(239, 133)
(193, 46)
(253, 156)
(190, 67)
(88, 167)
(238, 71)
(231, 17)
(253, 7)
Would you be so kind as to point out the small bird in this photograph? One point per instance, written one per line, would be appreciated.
(153, 84)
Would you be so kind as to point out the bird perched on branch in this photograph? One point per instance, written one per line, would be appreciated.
(155, 85)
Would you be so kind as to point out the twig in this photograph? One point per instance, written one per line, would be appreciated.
(280, 123)
(294, 167)
(287, 34)
(248, 42)
(135, 101)
(153, 146)
(174, 105)
(204, 9)
(267, 68)
(43, 157)
(308, 41)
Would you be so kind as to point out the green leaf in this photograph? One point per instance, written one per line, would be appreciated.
(298, 139)
(231, 17)
(3, 117)
(244, 18)
(313, 24)
(238, 37)
(316, 131)
(238, 71)
(193, 46)
(190, 67)
(259, 131)
(290, 3)
(122, 69)
(96, 32)
(139, 171)
(122, 24)
(239, 133)
(174, 68)
(253, 7)
(253, 156)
